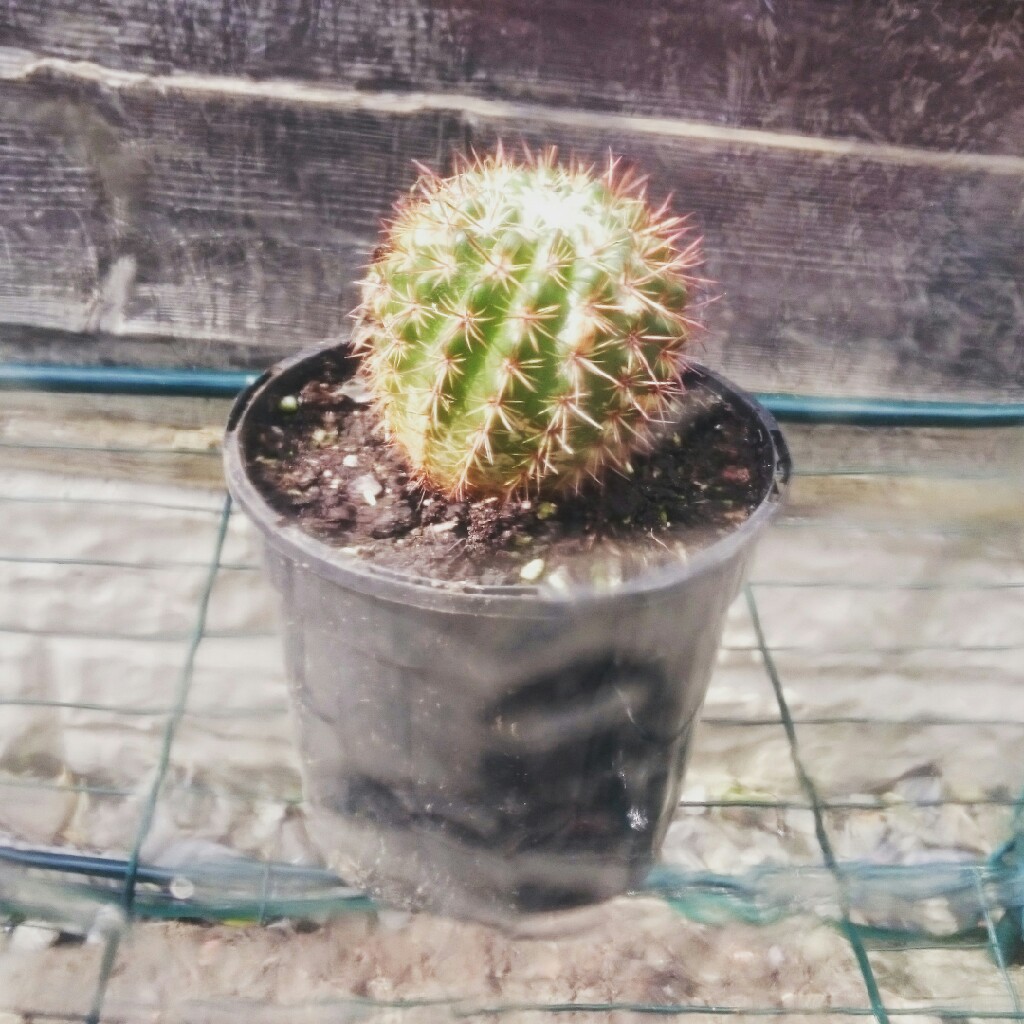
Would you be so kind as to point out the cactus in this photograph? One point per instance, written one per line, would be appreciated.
(523, 323)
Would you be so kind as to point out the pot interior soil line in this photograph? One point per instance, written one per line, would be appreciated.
(320, 458)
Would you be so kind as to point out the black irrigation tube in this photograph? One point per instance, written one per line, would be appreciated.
(198, 383)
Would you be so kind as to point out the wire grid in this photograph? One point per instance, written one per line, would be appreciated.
(269, 890)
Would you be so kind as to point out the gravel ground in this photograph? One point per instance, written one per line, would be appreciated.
(897, 642)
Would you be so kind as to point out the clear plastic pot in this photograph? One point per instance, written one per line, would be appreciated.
(489, 751)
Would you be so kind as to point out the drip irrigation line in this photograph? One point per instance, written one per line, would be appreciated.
(790, 408)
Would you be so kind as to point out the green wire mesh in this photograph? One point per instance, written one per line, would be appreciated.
(982, 896)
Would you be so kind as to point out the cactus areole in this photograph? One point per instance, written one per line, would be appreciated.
(523, 323)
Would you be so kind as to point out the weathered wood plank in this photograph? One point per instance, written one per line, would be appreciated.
(944, 74)
(210, 229)
(213, 222)
(842, 273)
(151, 439)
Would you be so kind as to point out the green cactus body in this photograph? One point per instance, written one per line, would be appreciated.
(523, 325)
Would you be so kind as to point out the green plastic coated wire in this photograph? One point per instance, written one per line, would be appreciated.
(986, 895)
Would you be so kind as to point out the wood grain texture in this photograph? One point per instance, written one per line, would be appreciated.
(206, 225)
(946, 74)
(843, 273)
(146, 225)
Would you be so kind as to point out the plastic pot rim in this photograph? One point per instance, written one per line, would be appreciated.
(334, 564)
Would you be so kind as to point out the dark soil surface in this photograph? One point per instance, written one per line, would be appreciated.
(318, 454)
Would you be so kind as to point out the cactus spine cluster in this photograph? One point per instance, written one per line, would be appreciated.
(523, 323)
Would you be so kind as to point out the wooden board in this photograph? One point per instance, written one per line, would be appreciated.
(202, 223)
(853, 273)
(176, 225)
(944, 74)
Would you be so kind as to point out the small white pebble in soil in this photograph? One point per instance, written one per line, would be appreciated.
(531, 572)
(368, 488)
(350, 461)
(445, 527)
